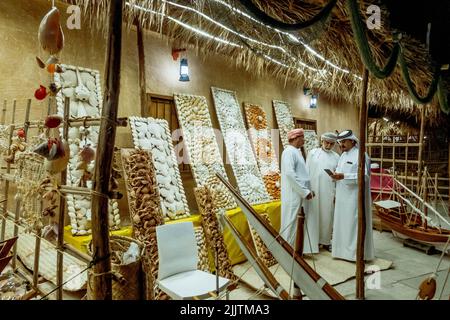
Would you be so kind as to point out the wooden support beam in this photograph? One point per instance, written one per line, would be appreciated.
(361, 189)
(8, 170)
(142, 77)
(422, 133)
(299, 240)
(101, 284)
(62, 211)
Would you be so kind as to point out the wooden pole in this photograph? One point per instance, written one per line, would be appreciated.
(5, 103)
(422, 133)
(6, 190)
(361, 189)
(62, 212)
(425, 196)
(299, 240)
(18, 201)
(101, 288)
(142, 78)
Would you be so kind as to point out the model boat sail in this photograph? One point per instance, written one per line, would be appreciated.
(402, 215)
(310, 282)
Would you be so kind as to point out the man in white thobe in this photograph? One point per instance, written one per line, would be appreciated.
(321, 208)
(294, 190)
(345, 226)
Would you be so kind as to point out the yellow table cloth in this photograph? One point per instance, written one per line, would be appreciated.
(273, 209)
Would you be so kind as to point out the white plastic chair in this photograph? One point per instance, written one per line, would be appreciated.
(178, 275)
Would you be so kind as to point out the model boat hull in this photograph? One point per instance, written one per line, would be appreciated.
(414, 231)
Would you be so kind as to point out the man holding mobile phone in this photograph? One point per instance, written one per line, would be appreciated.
(345, 227)
(321, 162)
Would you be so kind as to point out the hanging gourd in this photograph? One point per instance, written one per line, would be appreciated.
(50, 33)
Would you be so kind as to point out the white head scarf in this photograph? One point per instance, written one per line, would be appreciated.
(329, 136)
(347, 135)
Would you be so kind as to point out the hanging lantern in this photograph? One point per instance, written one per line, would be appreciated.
(184, 70)
(313, 103)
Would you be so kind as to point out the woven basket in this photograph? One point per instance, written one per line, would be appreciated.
(127, 283)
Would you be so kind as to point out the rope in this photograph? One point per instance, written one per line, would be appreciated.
(363, 44)
(266, 19)
(443, 97)
(410, 85)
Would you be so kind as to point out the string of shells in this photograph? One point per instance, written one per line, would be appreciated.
(29, 173)
(239, 151)
(201, 146)
(213, 233)
(261, 249)
(265, 154)
(83, 87)
(285, 121)
(145, 210)
(202, 249)
(154, 135)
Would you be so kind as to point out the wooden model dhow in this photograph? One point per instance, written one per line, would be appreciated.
(401, 215)
(310, 282)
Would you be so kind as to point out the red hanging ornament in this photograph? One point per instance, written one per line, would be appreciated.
(40, 93)
(53, 121)
(21, 133)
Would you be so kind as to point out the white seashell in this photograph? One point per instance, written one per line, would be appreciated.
(82, 232)
(68, 92)
(118, 221)
(116, 211)
(116, 217)
(72, 214)
(74, 226)
(71, 209)
(74, 231)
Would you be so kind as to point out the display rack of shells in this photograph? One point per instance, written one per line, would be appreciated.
(83, 87)
(29, 173)
(201, 146)
(311, 140)
(213, 233)
(145, 209)
(261, 249)
(285, 121)
(265, 154)
(239, 150)
(154, 135)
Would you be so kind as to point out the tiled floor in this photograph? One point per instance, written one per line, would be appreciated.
(411, 267)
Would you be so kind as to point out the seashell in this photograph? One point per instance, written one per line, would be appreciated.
(73, 133)
(68, 92)
(50, 33)
(69, 78)
(82, 232)
(91, 85)
(91, 111)
(93, 101)
(115, 205)
(87, 154)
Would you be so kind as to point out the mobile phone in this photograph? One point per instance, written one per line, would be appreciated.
(328, 171)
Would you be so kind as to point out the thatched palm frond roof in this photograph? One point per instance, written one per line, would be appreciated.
(323, 57)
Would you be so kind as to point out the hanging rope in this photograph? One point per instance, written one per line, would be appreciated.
(363, 45)
(410, 85)
(266, 19)
(443, 96)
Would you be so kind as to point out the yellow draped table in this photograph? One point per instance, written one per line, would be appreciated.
(272, 209)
